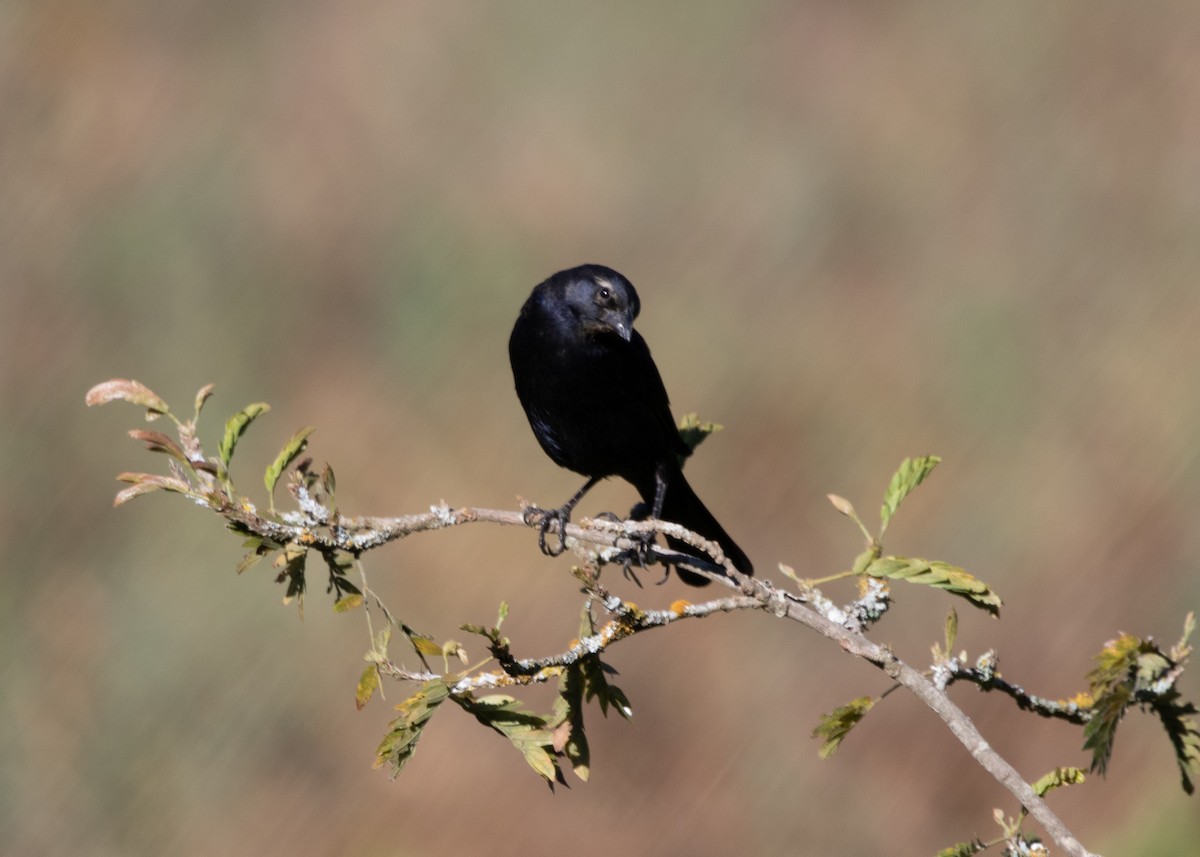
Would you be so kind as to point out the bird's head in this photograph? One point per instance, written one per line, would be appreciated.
(602, 300)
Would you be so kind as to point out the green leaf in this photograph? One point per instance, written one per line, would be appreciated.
(579, 755)
(569, 735)
(836, 725)
(963, 849)
(328, 481)
(126, 390)
(398, 746)
(1057, 778)
(526, 730)
(1184, 733)
(368, 683)
(618, 700)
(864, 559)
(236, 425)
(1101, 730)
(379, 645)
(951, 630)
(588, 677)
(1112, 687)
(1114, 663)
(540, 759)
(940, 575)
(286, 456)
(693, 432)
(425, 645)
(249, 561)
(502, 614)
(345, 605)
(1130, 670)
(912, 472)
(292, 563)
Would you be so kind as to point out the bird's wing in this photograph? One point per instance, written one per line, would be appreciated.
(651, 393)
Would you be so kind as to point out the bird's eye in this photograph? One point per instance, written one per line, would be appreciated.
(604, 293)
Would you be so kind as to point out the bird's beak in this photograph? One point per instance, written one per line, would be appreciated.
(622, 323)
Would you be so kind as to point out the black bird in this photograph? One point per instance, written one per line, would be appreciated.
(597, 404)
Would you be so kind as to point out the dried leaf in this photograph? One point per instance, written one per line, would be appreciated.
(843, 505)
(145, 483)
(202, 396)
(156, 441)
(126, 390)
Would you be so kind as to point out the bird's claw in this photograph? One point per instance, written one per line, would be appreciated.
(545, 518)
(643, 547)
(641, 554)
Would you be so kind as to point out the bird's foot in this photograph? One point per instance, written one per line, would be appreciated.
(642, 554)
(546, 520)
(643, 548)
(629, 558)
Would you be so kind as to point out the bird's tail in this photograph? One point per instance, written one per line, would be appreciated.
(682, 506)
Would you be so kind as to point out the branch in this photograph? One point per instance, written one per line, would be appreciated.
(984, 676)
(1131, 671)
(785, 606)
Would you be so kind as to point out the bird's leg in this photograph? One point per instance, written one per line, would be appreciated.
(645, 541)
(561, 515)
(660, 489)
(627, 557)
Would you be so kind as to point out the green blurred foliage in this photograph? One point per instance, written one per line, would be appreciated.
(860, 231)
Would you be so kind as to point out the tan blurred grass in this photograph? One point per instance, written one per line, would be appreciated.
(859, 233)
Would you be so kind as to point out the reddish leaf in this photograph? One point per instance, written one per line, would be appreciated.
(129, 391)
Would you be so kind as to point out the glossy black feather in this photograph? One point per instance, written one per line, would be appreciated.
(595, 399)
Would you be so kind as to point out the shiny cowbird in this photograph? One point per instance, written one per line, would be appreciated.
(597, 404)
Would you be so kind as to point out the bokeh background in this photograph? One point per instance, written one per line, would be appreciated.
(860, 231)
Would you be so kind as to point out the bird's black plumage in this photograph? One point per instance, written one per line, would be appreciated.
(596, 402)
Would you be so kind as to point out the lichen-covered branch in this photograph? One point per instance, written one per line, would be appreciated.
(1131, 672)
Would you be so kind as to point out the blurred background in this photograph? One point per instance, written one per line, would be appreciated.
(859, 232)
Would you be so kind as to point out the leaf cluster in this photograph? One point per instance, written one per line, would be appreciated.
(940, 575)
(1137, 672)
(207, 480)
(545, 741)
(871, 564)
